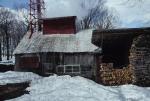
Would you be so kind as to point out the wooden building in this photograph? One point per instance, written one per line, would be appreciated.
(63, 25)
(58, 49)
(126, 48)
(116, 44)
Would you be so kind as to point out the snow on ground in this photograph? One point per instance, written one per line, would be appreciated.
(7, 62)
(66, 88)
(17, 77)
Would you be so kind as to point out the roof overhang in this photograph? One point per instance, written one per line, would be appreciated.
(116, 43)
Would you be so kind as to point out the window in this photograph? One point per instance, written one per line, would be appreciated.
(68, 69)
(76, 69)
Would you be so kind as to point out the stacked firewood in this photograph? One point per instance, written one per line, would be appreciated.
(140, 62)
(110, 76)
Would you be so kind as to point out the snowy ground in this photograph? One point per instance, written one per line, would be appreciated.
(7, 62)
(17, 77)
(66, 88)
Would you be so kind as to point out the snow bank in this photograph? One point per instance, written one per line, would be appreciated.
(66, 88)
(7, 62)
(17, 77)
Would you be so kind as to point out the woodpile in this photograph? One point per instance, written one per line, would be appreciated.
(140, 63)
(110, 76)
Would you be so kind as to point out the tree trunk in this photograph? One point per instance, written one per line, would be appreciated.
(11, 47)
(0, 52)
(7, 46)
(3, 48)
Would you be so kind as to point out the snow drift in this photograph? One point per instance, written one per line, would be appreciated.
(17, 77)
(67, 88)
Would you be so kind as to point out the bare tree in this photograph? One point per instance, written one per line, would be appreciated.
(23, 9)
(97, 16)
(12, 29)
(18, 31)
(6, 25)
(0, 46)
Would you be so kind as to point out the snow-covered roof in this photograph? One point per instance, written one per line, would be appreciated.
(79, 42)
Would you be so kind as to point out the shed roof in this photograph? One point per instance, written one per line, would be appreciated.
(114, 36)
(60, 18)
(116, 43)
(80, 42)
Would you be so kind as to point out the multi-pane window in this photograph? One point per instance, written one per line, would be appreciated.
(68, 69)
(76, 69)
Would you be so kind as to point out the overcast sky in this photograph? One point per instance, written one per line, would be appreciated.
(130, 16)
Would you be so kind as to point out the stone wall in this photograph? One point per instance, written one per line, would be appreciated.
(140, 63)
(140, 60)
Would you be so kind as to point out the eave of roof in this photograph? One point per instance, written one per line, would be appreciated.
(124, 30)
(114, 36)
(57, 18)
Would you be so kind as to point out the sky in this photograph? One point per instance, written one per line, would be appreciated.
(130, 14)
(12, 3)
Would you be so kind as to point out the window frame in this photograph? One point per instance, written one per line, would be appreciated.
(72, 69)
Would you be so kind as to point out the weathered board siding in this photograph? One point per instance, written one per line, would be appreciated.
(48, 62)
(27, 62)
(87, 62)
(62, 25)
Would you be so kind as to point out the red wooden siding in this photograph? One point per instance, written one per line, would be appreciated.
(62, 25)
(29, 62)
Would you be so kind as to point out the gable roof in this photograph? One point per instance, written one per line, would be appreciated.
(79, 42)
